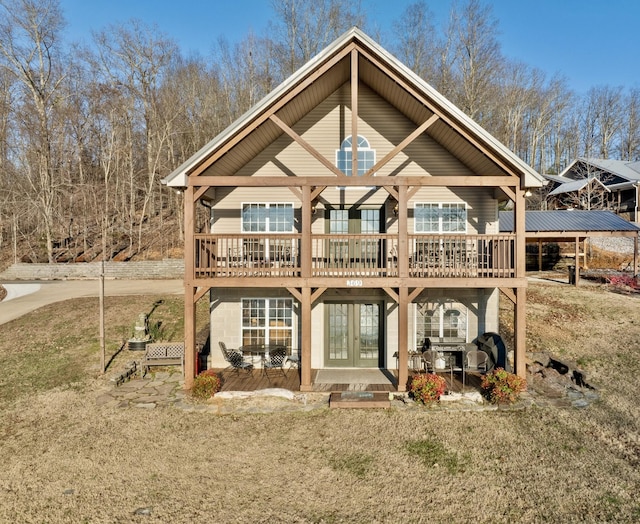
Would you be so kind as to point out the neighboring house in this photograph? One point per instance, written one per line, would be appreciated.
(593, 183)
(353, 250)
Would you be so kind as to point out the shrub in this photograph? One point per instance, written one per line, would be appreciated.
(501, 387)
(427, 387)
(205, 385)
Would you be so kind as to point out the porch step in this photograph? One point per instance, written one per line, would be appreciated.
(359, 399)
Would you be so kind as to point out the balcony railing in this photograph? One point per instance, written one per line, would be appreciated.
(428, 256)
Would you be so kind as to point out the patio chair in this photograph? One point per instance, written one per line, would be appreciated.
(275, 359)
(437, 362)
(427, 361)
(235, 359)
(477, 361)
(294, 359)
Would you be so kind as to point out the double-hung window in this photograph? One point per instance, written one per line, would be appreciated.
(440, 217)
(267, 321)
(267, 218)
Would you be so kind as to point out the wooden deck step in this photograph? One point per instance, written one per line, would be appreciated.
(359, 399)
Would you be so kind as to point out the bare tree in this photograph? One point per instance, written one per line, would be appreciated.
(417, 43)
(29, 33)
(304, 27)
(629, 148)
(246, 73)
(601, 120)
(479, 60)
(137, 57)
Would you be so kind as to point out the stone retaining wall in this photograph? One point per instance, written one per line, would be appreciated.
(147, 269)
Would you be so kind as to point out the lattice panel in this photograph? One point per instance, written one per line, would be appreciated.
(165, 349)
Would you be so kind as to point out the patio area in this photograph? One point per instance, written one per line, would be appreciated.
(256, 380)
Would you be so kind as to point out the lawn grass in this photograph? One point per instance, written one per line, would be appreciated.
(67, 460)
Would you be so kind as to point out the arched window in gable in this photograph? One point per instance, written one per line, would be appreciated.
(366, 156)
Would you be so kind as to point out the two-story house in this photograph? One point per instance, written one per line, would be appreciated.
(354, 213)
(597, 183)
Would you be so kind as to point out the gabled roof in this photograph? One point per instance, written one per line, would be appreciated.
(556, 178)
(576, 185)
(629, 171)
(386, 76)
(567, 221)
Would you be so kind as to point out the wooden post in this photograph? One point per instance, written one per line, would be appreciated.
(539, 255)
(521, 234)
(354, 113)
(520, 307)
(577, 253)
(189, 289)
(520, 332)
(403, 338)
(306, 249)
(635, 255)
(403, 237)
(305, 350)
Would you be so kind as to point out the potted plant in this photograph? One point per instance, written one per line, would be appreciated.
(427, 387)
(501, 387)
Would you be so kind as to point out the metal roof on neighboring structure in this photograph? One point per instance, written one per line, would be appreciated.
(629, 171)
(626, 173)
(575, 185)
(567, 221)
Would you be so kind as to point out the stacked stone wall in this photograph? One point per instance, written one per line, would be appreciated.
(147, 269)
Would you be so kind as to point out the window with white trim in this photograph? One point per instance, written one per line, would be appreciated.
(440, 217)
(267, 218)
(441, 321)
(267, 321)
(366, 156)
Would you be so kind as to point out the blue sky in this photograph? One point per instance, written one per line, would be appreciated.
(590, 42)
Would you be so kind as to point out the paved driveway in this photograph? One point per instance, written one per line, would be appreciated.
(24, 297)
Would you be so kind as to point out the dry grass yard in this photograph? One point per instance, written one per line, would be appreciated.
(66, 460)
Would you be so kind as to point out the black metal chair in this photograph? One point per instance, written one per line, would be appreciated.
(293, 358)
(235, 359)
(276, 359)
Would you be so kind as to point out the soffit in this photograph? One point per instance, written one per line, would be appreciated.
(381, 83)
(419, 111)
(263, 135)
(402, 89)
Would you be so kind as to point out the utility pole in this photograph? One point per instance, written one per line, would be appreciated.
(101, 294)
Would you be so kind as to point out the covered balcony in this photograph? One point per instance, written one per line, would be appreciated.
(264, 256)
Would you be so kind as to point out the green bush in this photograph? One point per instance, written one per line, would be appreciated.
(205, 385)
(501, 387)
(427, 387)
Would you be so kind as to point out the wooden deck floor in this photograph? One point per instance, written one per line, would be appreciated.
(256, 379)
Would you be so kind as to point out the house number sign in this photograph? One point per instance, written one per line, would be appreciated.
(354, 283)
